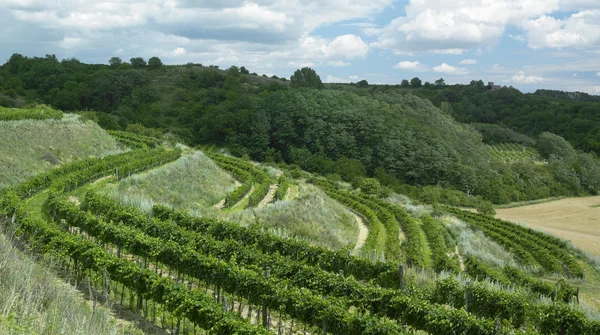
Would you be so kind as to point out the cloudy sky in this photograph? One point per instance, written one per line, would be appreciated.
(529, 44)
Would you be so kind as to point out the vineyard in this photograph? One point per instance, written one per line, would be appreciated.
(198, 275)
(512, 152)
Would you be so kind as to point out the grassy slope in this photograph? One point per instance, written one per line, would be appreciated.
(332, 225)
(30, 147)
(196, 183)
(35, 301)
(193, 182)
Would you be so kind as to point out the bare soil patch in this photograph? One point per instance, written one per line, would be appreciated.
(574, 219)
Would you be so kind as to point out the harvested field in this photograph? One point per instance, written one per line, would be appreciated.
(574, 219)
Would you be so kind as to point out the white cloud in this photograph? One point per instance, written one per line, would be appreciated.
(179, 51)
(468, 62)
(454, 51)
(581, 29)
(72, 42)
(411, 66)
(332, 79)
(449, 69)
(598, 74)
(433, 25)
(595, 90)
(522, 78)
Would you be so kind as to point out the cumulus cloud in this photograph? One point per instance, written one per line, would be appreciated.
(257, 31)
(468, 62)
(178, 51)
(581, 29)
(522, 78)
(449, 69)
(411, 66)
(449, 25)
(333, 79)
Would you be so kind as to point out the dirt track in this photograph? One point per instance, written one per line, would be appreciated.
(574, 219)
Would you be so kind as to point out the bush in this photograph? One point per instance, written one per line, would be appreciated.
(486, 208)
(368, 185)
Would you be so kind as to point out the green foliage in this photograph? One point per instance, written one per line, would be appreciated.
(527, 244)
(435, 237)
(137, 62)
(154, 63)
(486, 208)
(39, 112)
(415, 82)
(368, 185)
(306, 77)
(363, 83)
(114, 62)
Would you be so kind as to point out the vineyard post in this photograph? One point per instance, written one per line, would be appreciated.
(401, 275)
(264, 307)
(498, 320)
(577, 296)
(467, 295)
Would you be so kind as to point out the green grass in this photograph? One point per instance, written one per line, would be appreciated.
(193, 182)
(33, 146)
(35, 301)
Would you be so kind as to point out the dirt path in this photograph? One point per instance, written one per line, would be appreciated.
(74, 200)
(219, 205)
(363, 232)
(461, 262)
(102, 179)
(574, 219)
(269, 197)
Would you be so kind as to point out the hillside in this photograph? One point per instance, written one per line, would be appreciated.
(427, 142)
(201, 241)
(33, 146)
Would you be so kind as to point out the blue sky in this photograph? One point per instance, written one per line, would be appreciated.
(528, 44)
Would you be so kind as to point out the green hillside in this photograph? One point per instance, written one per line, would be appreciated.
(32, 146)
(185, 241)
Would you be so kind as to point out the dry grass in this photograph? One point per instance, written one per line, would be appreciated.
(312, 216)
(573, 219)
(192, 182)
(30, 146)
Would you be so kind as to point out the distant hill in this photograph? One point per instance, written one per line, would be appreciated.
(577, 96)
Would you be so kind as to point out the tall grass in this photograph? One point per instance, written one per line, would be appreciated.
(312, 216)
(193, 182)
(476, 244)
(29, 147)
(34, 301)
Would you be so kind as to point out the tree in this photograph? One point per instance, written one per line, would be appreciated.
(415, 82)
(368, 185)
(244, 71)
(306, 77)
(405, 83)
(362, 83)
(138, 62)
(440, 83)
(155, 63)
(114, 62)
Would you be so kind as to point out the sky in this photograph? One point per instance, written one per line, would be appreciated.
(529, 44)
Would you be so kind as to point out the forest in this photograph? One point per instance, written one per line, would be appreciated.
(429, 141)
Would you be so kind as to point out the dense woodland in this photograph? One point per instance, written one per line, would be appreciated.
(428, 141)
